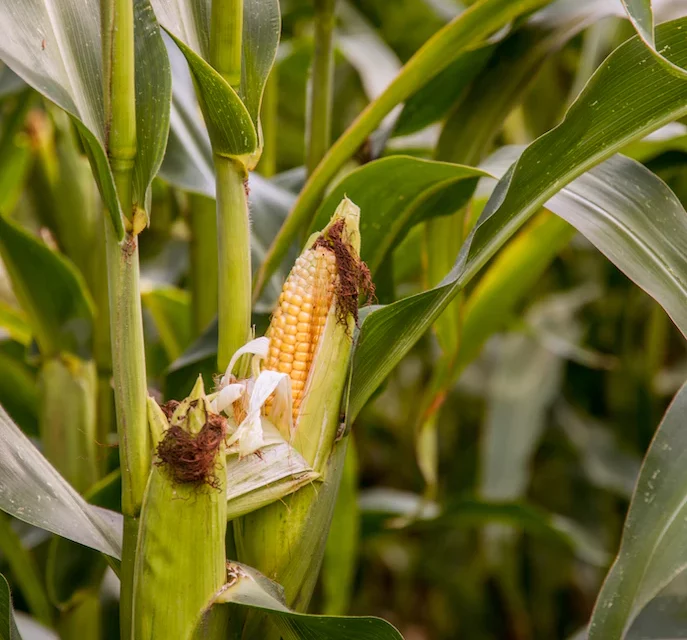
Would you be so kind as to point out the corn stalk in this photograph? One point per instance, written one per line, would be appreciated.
(233, 225)
(128, 356)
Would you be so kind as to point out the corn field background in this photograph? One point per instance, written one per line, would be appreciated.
(329, 319)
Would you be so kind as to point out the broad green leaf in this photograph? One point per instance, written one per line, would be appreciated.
(653, 549)
(24, 571)
(31, 490)
(615, 214)
(231, 130)
(467, 31)
(55, 46)
(50, 290)
(250, 589)
(608, 114)
(171, 311)
(8, 625)
(591, 131)
(396, 193)
(642, 17)
(633, 218)
(508, 281)
(232, 118)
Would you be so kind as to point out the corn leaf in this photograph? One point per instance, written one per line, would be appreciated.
(32, 491)
(55, 46)
(592, 131)
(51, 291)
(396, 193)
(232, 117)
(653, 549)
(8, 626)
(467, 31)
(250, 589)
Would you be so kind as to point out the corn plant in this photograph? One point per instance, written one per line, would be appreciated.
(222, 254)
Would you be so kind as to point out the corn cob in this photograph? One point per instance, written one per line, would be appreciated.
(314, 320)
(299, 319)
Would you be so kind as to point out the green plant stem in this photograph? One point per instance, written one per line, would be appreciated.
(226, 32)
(468, 29)
(233, 225)
(202, 221)
(233, 241)
(319, 120)
(128, 360)
(126, 322)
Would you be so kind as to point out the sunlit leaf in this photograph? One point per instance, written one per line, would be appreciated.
(55, 46)
(591, 131)
(653, 549)
(394, 194)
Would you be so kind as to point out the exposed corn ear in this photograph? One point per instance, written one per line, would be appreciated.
(311, 332)
(180, 559)
(310, 339)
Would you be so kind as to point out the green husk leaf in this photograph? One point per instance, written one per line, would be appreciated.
(180, 557)
(248, 588)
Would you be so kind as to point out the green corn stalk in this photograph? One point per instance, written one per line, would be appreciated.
(286, 540)
(180, 557)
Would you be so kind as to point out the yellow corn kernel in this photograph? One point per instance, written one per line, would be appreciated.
(299, 319)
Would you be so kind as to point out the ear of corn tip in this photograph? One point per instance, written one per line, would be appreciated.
(306, 301)
(180, 558)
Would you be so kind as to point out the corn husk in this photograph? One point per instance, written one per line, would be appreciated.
(180, 557)
(285, 541)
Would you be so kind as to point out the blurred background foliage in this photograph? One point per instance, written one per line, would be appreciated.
(504, 526)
